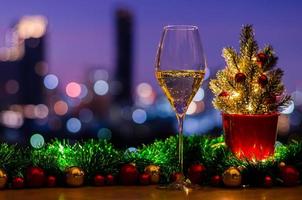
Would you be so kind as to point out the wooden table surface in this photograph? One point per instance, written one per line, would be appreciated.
(150, 192)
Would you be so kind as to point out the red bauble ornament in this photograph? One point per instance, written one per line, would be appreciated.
(18, 183)
(196, 173)
(271, 99)
(263, 80)
(128, 174)
(223, 94)
(240, 77)
(290, 175)
(35, 177)
(51, 181)
(110, 179)
(99, 180)
(216, 180)
(144, 179)
(268, 181)
(176, 176)
(261, 59)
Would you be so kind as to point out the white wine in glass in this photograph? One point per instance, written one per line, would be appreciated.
(180, 69)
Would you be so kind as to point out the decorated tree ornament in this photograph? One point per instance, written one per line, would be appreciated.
(240, 77)
(261, 59)
(110, 179)
(216, 180)
(3, 178)
(144, 179)
(249, 122)
(232, 177)
(99, 180)
(263, 80)
(35, 177)
(268, 181)
(18, 183)
(51, 181)
(223, 94)
(196, 173)
(245, 61)
(154, 173)
(289, 175)
(128, 174)
(74, 176)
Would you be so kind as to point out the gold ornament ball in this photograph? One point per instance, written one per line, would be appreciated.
(3, 178)
(282, 164)
(154, 173)
(74, 176)
(232, 177)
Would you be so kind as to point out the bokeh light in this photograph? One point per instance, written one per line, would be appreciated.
(200, 107)
(139, 116)
(41, 68)
(41, 111)
(73, 125)
(29, 111)
(104, 133)
(84, 91)
(289, 109)
(60, 107)
(144, 90)
(12, 86)
(199, 95)
(51, 81)
(192, 108)
(11, 119)
(37, 140)
(145, 95)
(100, 74)
(32, 26)
(101, 87)
(73, 89)
(131, 149)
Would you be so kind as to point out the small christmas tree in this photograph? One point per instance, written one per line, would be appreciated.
(250, 83)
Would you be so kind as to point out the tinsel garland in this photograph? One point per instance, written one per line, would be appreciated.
(100, 156)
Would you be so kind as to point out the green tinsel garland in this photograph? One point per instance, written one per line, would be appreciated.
(100, 156)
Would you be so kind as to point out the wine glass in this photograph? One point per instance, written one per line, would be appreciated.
(180, 69)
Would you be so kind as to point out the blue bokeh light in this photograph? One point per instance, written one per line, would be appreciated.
(51, 81)
(139, 116)
(101, 87)
(37, 141)
(104, 133)
(73, 125)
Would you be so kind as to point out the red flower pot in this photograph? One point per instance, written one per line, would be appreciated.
(251, 137)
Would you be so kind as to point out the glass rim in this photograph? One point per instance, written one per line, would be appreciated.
(181, 27)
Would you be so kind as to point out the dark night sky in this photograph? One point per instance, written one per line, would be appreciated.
(81, 33)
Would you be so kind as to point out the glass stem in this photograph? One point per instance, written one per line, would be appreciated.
(180, 119)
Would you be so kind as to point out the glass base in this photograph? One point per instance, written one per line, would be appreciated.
(181, 185)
